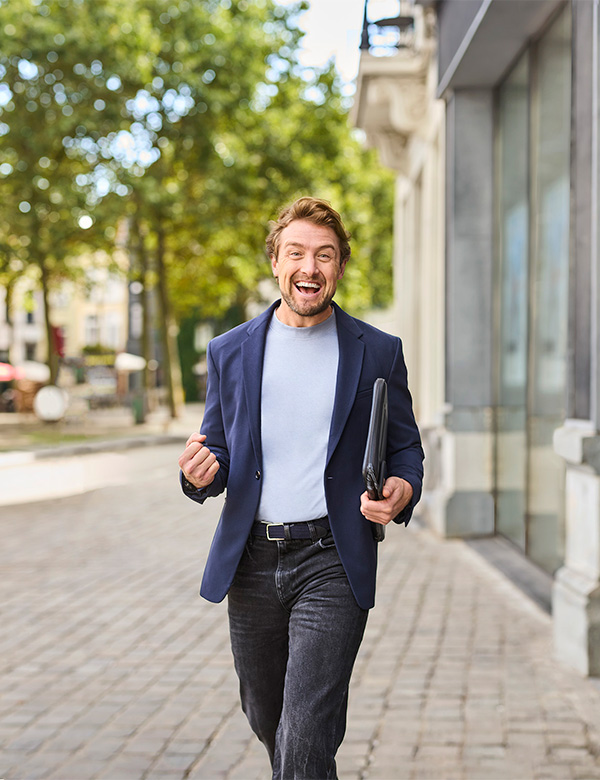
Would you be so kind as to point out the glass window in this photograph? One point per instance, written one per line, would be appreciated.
(551, 138)
(551, 144)
(513, 199)
(92, 330)
(533, 169)
(112, 330)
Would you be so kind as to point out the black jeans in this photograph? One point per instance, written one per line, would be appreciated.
(295, 631)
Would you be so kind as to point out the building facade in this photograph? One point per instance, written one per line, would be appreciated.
(512, 444)
(91, 312)
(22, 334)
(396, 107)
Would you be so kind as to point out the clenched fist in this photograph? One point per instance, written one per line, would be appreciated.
(198, 464)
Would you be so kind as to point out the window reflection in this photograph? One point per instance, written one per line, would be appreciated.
(533, 216)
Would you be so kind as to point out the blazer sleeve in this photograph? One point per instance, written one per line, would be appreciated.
(212, 427)
(404, 451)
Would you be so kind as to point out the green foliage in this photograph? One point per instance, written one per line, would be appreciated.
(97, 349)
(50, 99)
(291, 147)
(192, 118)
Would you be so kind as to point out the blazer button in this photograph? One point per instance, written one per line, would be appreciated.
(257, 475)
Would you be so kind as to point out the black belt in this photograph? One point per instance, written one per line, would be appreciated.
(285, 532)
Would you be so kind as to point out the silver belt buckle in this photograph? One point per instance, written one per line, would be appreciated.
(274, 525)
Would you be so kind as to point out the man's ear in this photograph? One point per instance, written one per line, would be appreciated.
(342, 268)
(274, 265)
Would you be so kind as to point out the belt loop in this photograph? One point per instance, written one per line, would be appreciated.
(287, 533)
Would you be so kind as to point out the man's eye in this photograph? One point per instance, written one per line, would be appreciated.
(325, 256)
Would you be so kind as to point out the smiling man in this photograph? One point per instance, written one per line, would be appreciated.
(285, 425)
(307, 263)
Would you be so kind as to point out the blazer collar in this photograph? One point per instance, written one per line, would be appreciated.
(350, 362)
(253, 353)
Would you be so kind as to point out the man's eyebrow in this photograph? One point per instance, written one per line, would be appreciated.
(302, 246)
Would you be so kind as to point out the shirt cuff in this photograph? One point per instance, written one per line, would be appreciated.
(187, 487)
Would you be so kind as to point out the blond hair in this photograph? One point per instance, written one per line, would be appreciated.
(315, 210)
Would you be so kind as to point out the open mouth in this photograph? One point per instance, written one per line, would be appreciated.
(308, 289)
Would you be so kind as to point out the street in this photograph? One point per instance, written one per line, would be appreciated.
(114, 668)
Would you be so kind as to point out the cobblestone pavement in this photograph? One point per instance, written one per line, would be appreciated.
(114, 668)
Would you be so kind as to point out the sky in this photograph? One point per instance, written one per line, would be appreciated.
(333, 29)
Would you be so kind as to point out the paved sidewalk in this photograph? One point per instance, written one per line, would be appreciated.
(94, 430)
(32, 471)
(112, 668)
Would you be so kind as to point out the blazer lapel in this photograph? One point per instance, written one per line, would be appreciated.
(349, 369)
(253, 352)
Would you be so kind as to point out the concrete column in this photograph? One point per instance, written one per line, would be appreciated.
(576, 593)
(465, 506)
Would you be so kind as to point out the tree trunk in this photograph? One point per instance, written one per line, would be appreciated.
(9, 289)
(147, 352)
(52, 359)
(168, 329)
(143, 276)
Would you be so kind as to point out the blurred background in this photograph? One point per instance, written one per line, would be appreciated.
(144, 149)
(145, 146)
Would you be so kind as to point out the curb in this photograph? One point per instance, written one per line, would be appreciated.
(19, 457)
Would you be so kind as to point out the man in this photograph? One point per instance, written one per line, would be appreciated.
(287, 413)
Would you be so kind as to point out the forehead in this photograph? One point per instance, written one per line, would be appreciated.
(306, 233)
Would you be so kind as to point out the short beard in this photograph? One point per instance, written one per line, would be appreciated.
(313, 311)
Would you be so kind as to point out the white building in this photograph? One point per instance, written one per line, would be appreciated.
(498, 290)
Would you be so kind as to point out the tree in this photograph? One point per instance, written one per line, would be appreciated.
(192, 121)
(204, 61)
(295, 141)
(55, 99)
(97, 96)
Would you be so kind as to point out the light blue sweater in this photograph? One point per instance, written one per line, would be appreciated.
(298, 389)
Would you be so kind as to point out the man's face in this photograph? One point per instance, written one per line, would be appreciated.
(307, 269)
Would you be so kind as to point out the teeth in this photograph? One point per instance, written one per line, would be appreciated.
(308, 284)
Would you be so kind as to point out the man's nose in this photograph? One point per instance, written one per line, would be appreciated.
(309, 264)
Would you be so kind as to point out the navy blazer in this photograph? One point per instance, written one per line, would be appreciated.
(232, 427)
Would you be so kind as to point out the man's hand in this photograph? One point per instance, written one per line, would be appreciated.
(397, 494)
(198, 463)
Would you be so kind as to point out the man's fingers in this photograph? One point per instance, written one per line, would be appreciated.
(195, 454)
(397, 493)
(201, 458)
(190, 452)
(372, 510)
(210, 474)
(199, 437)
(203, 475)
(196, 469)
(377, 511)
(198, 464)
